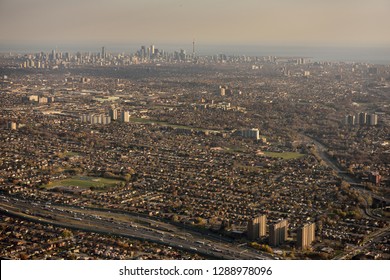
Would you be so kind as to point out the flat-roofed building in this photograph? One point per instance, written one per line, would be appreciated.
(306, 235)
(257, 227)
(278, 233)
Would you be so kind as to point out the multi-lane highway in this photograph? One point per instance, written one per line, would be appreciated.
(355, 184)
(130, 225)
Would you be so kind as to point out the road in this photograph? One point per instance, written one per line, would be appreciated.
(375, 236)
(130, 225)
(355, 184)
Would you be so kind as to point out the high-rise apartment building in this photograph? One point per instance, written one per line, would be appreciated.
(350, 120)
(113, 113)
(106, 120)
(362, 118)
(125, 116)
(253, 133)
(257, 227)
(306, 235)
(278, 233)
(372, 119)
(96, 119)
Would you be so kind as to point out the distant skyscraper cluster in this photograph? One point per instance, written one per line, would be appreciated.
(148, 54)
(362, 119)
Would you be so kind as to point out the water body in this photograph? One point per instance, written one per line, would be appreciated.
(375, 55)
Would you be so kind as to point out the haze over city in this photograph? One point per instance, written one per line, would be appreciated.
(346, 23)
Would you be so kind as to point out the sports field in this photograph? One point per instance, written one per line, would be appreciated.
(84, 182)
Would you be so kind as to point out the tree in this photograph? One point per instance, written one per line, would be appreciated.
(67, 233)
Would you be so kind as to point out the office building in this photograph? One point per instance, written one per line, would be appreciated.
(257, 227)
(152, 50)
(278, 233)
(306, 235)
(103, 53)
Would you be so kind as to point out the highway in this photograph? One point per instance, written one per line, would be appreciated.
(374, 236)
(130, 225)
(355, 184)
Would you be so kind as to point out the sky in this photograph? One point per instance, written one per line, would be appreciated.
(212, 22)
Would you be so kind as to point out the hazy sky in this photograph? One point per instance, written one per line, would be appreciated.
(277, 22)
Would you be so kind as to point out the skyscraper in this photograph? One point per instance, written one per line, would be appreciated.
(278, 233)
(103, 53)
(257, 227)
(306, 235)
(152, 50)
(143, 52)
(193, 48)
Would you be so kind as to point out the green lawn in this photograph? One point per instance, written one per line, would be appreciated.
(84, 182)
(71, 154)
(285, 155)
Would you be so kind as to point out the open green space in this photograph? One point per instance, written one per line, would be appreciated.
(71, 154)
(284, 155)
(84, 182)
